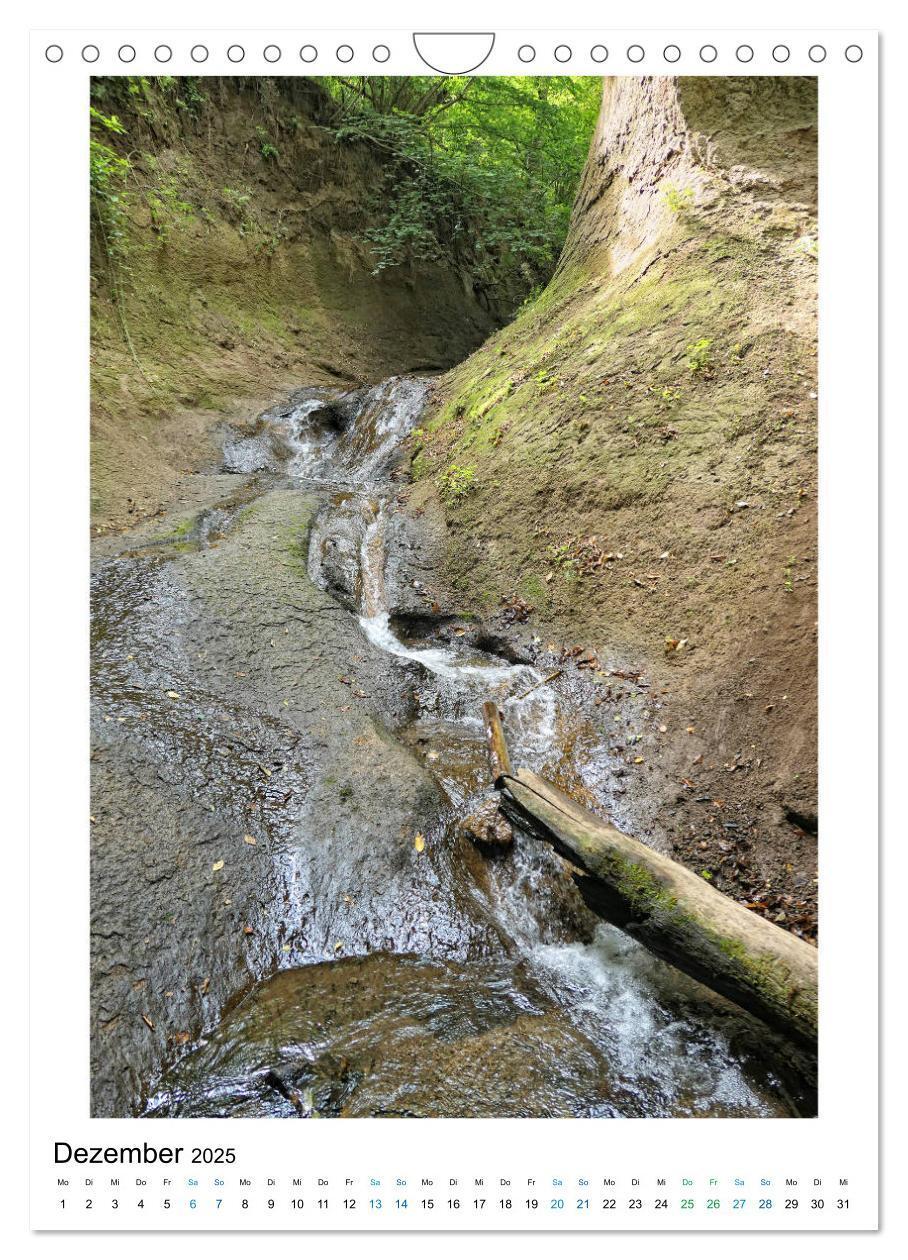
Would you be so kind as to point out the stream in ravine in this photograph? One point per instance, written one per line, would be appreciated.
(442, 982)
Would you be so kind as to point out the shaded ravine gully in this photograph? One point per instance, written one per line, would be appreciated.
(287, 919)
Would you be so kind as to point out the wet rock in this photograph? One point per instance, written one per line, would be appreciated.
(392, 1036)
(488, 828)
(218, 712)
(256, 452)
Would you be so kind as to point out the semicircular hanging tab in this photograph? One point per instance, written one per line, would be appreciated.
(453, 52)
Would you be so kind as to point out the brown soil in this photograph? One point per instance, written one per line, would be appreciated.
(244, 273)
(634, 460)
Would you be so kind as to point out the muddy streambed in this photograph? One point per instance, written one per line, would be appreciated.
(287, 919)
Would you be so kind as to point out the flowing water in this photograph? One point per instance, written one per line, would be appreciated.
(514, 1002)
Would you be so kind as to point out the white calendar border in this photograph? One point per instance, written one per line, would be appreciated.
(845, 1132)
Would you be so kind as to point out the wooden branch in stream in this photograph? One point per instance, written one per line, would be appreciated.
(498, 748)
(676, 914)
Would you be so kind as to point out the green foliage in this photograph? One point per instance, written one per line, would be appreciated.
(677, 199)
(167, 206)
(486, 167)
(268, 150)
(108, 172)
(699, 356)
(456, 482)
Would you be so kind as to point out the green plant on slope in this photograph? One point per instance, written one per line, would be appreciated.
(456, 482)
(699, 356)
(677, 199)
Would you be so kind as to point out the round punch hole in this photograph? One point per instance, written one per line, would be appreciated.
(308, 52)
(272, 53)
(163, 52)
(381, 52)
(90, 52)
(671, 52)
(126, 52)
(781, 52)
(816, 52)
(236, 52)
(563, 53)
(198, 52)
(635, 53)
(53, 52)
(708, 52)
(744, 52)
(344, 53)
(526, 52)
(599, 53)
(854, 53)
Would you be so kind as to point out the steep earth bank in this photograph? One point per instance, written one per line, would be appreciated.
(229, 265)
(630, 467)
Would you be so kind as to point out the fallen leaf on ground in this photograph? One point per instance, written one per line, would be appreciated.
(249, 840)
(174, 695)
(148, 1021)
(218, 866)
(419, 843)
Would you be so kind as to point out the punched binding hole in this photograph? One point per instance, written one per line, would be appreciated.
(381, 52)
(744, 52)
(90, 52)
(599, 53)
(272, 53)
(781, 52)
(671, 52)
(163, 53)
(708, 52)
(563, 53)
(199, 52)
(308, 52)
(344, 53)
(635, 53)
(854, 53)
(526, 52)
(236, 52)
(53, 52)
(126, 53)
(817, 53)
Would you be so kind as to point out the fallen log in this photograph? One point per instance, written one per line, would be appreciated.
(676, 914)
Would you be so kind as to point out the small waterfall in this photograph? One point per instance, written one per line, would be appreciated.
(611, 990)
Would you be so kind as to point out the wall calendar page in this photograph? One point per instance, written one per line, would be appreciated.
(464, 439)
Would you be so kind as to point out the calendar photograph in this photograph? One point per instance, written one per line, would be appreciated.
(454, 595)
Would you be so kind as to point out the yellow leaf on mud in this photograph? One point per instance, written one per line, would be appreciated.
(218, 866)
(173, 695)
(637, 761)
(419, 843)
(249, 840)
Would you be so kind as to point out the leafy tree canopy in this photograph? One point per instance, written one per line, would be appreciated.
(488, 165)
